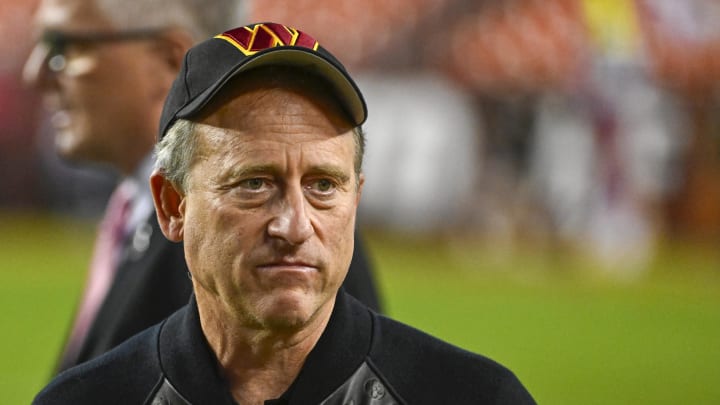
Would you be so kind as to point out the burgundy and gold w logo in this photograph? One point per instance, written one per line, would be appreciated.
(252, 39)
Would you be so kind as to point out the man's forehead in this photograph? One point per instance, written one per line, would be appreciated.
(228, 140)
(70, 16)
(233, 154)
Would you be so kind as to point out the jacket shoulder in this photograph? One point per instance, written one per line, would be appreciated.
(124, 375)
(426, 370)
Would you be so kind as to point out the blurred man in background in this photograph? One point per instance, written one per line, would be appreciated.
(104, 68)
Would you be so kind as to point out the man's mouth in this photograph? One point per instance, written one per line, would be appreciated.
(291, 265)
(60, 119)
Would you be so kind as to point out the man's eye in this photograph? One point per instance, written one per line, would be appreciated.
(252, 184)
(324, 185)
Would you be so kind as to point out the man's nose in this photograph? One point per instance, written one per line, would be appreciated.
(292, 223)
(35, 72)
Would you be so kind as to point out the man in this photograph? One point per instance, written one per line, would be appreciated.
(105, 67)
(259, 173)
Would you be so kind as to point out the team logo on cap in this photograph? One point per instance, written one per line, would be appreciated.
(255, 38)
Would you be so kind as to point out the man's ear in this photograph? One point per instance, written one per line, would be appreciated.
(361, 183)
(169, 206)
(172, 45)
(168, 51)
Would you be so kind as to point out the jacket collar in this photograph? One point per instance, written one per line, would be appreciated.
(191, 367)
(187, 360)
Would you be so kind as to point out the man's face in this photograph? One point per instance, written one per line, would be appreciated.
(103, 97)
(269, 213)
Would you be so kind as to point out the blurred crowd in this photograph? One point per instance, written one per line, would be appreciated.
(590, 122)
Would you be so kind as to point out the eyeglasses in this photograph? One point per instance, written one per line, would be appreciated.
(57, 42)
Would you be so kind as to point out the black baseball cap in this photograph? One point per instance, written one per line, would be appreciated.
(209, 65)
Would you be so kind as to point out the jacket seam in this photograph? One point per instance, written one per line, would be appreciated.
(372, 365)
(151, 396)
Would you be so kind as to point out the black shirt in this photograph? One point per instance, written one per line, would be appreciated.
(361, 358)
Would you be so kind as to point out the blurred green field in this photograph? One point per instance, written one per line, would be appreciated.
(573, 335)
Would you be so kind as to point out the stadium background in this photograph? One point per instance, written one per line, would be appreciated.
(543, 188)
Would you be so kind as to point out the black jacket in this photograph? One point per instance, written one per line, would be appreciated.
(152, 282)
(361, 358)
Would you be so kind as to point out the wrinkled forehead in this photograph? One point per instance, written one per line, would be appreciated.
(70, 16)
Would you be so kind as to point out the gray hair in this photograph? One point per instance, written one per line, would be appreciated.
(201, 18)
(176, 152)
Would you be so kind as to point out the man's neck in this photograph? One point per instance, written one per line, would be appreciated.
(259, 364)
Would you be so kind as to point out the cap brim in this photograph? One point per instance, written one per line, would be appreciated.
(347, 90)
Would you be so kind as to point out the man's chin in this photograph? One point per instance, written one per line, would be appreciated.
(68, 152)
(71, 147)
(290, 311)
